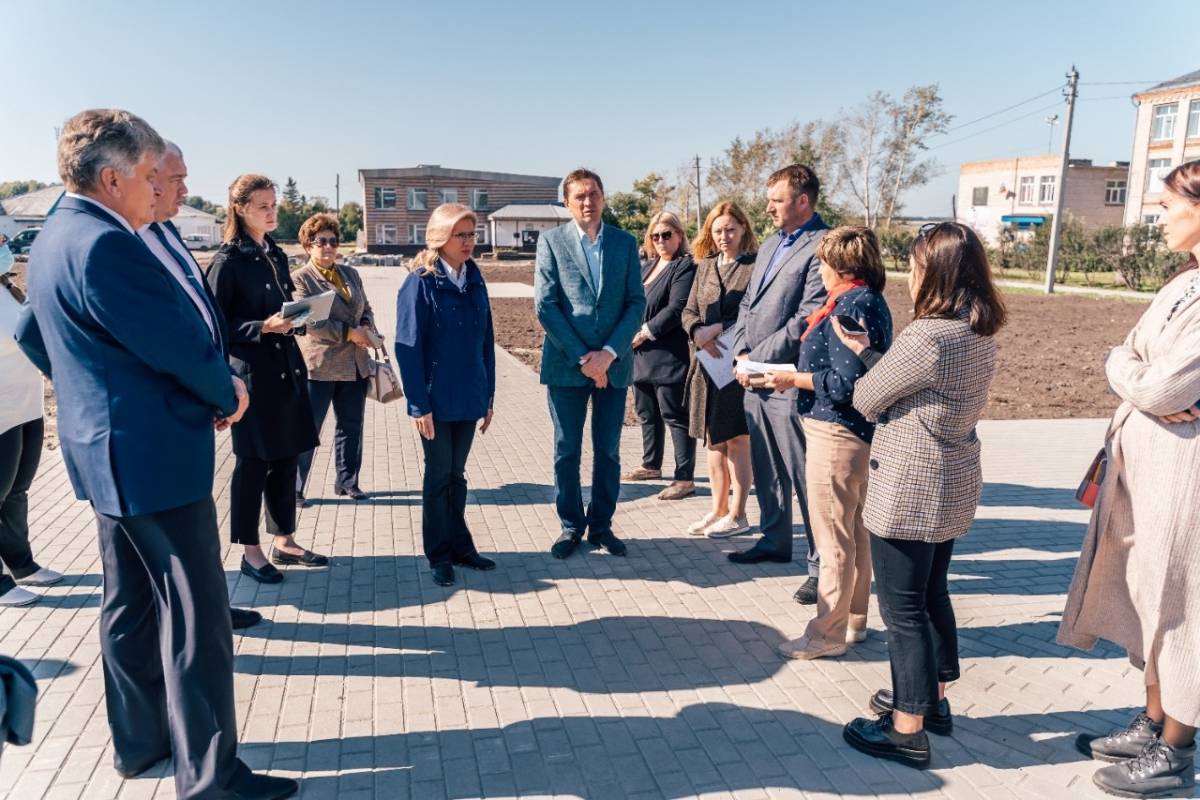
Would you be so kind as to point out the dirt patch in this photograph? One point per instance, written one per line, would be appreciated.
(507, 271)
(1051, 352)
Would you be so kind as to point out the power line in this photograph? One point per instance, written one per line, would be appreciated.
(1116, 83)
(994, 127)
(1001, 111)
(1106, 97)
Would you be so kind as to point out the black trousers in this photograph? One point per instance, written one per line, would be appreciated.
(444, 492)
(661, 406)
(254, 482)
(349, 401)
(20, 452)
(167, 647)
(914, 601)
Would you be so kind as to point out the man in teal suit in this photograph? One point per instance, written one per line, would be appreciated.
(588, 295)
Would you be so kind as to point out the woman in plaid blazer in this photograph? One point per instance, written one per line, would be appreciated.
(925, 395)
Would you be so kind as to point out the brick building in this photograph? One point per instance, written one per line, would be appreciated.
(1019, 193)
(397, 202)
(1166, 134)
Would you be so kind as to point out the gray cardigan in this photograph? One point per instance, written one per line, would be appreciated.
(327, 353)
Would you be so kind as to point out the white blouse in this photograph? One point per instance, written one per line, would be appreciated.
(21, 393)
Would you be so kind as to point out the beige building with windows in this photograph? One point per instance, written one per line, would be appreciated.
(1166, 135)
(1019, 193)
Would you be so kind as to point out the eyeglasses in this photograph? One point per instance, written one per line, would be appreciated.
(665, 236)
(466, 237)
(325, 241)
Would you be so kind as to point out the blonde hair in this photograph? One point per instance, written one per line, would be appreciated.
(437, 233)
(704, 246)
(671, 221)
(854, 250)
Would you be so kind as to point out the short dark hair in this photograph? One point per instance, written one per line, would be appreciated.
(801, 180)
(955, 276)
(322, 221)
(580, 174)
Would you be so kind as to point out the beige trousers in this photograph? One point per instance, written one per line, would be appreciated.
(836, 468)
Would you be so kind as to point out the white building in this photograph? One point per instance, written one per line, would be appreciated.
(28, 210)
(1166, 135)
(198, 228)
(519, 226)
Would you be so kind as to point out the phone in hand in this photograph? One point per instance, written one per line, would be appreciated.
(849, 324)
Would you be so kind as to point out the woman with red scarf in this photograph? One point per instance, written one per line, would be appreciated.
(839, 438)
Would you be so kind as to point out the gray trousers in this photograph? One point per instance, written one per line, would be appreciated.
(167, 647)
(777, 459)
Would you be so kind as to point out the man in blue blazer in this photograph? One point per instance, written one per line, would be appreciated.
(588, 294)
(141, 384)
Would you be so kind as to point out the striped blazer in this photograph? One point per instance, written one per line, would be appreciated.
(926, 395)
(327, 354)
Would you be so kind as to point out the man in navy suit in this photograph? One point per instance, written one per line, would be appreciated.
(141, 384)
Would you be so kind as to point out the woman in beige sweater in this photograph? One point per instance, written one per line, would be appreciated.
(1137, 583)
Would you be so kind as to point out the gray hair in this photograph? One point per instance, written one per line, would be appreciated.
(103, 137)
(172, 149)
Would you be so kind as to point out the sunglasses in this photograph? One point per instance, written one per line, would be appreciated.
(662, 237)
(325, 241)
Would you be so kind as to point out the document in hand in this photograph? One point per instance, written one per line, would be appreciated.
(719, 368)
(759, 367)
(310, 309)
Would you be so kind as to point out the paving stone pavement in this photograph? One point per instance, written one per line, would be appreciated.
(649, 676)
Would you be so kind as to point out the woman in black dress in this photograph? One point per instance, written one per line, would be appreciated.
(249, 278)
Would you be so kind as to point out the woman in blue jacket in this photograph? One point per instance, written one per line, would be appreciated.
(445, 350)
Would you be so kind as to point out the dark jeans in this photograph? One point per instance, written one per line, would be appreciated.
(444, 492)
(914, 601)
(568, 410)
(255, 481)
(20, 452)
(349, 401)
(660, 407)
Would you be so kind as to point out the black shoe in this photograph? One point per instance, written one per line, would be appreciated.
(806, 595)
(1120, 745)
(256, 786)
(565, 546)
(301, 500)
(877, 737)
(308, 559)
(475, 561)
(443, 574)
(353, 492)
(145, 766)
(244, 618)
(267, 574)
(939, 722)
(1158, 771)
(608, 541)
(757, 555)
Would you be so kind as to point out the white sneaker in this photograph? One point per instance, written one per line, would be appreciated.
(43, 577)
(856, 636)
(727, 526)
(17, 596)
(697, 528)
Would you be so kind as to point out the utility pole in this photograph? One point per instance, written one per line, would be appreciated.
(337, 193)
(699, 218)
(1060, 188)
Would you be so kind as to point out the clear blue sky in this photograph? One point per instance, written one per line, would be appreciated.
(313, 89)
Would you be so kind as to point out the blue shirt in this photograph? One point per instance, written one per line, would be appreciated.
(788, 239)
(593, 254)
(835, 368)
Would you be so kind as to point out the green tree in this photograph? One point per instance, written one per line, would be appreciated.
(291, 213)
(198, 202)
(632, 210)
(14, 188)
(350, 218)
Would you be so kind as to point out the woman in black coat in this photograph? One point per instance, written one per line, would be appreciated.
(661, 355)
(250, 281)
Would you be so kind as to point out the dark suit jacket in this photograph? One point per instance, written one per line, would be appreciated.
(138, 378)
(664, 359)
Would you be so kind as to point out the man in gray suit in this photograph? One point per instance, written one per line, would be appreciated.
(588, 296)
(784, 289)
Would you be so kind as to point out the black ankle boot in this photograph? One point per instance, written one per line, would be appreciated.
(877, 737)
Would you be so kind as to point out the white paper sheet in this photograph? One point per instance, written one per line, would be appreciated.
(719, 368)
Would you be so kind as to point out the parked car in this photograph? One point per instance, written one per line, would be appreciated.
(197, 241)
(21, 242)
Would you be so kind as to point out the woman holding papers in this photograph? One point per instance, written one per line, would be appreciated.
(725, 250)
(249, 279)
(660, 357)
(838, 436)
(335, 352)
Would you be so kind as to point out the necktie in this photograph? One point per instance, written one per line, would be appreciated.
(190, 277)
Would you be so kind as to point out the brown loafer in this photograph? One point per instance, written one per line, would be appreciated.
(643, 474)
(677, 491)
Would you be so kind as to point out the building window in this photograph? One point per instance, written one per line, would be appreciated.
(418, 200)
(385, 233)
(1194, 119)
(385, 198)
(1150, 219)
(449, 195)
(481, 234)
(1156, 170)
(1114, 193)
(1046, 190)
(416, 234)
(1162, 127)
(979, 196)
(1025, 197)
(479, 199)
